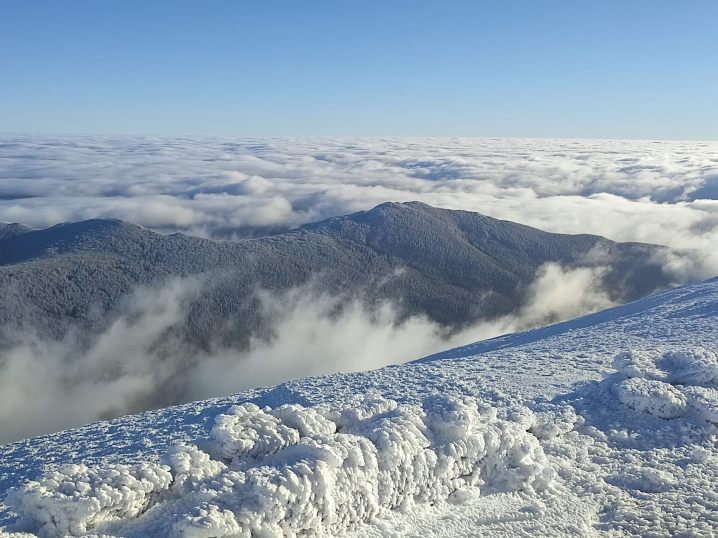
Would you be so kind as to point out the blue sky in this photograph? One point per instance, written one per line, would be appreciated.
(638, 69)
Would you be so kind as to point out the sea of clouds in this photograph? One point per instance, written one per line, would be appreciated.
(658, 192)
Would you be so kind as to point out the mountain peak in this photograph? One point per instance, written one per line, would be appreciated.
(13, 229)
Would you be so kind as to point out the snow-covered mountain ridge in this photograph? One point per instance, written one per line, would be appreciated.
(604, 425)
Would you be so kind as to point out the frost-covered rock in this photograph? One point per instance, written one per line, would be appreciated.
(308, 421)
(671, 384)
(296, 470)
(639, 363)
(653, 397)
(207, 521)
(694, 367)
(247, 430)
(190, 468)
(704, 402)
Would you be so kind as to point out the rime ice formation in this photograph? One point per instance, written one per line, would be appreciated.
(75, 499)
(671, 385)
(294, 470)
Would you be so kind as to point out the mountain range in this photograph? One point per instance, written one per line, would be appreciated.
(454, 267)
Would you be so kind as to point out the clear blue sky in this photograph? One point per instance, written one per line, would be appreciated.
(607, 69)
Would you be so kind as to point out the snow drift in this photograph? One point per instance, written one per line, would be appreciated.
(294, 470)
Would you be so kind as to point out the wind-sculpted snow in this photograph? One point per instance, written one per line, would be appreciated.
(294, 470)
(670, 385)
(75, 499)
(645, 448)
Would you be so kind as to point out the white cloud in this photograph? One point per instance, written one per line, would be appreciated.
(626, 190)
(46, 385)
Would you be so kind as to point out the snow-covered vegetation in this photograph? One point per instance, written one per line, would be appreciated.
(295, 470)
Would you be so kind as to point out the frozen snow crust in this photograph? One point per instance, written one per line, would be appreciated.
(295, 470)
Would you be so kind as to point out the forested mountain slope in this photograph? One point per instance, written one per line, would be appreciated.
(455, 267)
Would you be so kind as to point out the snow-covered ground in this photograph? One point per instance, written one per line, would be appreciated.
(604, 425)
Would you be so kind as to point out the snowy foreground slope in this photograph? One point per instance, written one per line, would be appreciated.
(605, 425)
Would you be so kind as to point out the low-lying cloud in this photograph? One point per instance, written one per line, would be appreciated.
(48, 385)
(310, 340)
(657, 192)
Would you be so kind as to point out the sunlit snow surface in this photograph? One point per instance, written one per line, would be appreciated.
(604, 425)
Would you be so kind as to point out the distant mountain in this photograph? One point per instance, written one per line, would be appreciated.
(455, 267)
(11, 230)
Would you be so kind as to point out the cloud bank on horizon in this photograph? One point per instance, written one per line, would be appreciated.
(657, 192)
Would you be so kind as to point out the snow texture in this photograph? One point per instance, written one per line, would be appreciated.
(670, 385)
(294, 470)
(75, 499)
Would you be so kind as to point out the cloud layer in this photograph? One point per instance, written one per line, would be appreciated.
(659, 192)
